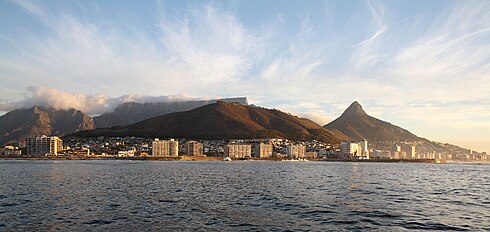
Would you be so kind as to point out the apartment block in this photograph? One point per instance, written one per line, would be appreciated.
(43, 145)
(165, 148)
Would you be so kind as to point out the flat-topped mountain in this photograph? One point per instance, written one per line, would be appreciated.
(223, 120)
(132, 112)
(357, 124)
(22, 123)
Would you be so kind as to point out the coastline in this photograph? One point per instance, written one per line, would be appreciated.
(214, 158)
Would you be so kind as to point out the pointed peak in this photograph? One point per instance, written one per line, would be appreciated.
(355, 108)
(355, 104)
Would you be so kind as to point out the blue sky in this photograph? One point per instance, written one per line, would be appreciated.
(423, 65)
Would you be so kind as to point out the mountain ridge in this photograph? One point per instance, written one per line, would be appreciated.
(19, 124)
(223, 120)
(133, 112)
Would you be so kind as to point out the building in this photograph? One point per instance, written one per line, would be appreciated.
(238, 151)
(364, 149)
(296, 151)
(84, 151)
(409, 151)
(193, 148)
(263, 150)
(162, 148)
(127, 153)
(43, 145)
(397, 152)
(279, 155)
(11, 151)
(378, 154)
(311, 155)
(350, 150)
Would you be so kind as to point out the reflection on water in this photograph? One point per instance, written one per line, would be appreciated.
(135, 195)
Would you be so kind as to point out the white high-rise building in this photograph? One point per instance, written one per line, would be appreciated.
(409, 151)
(43, 145)
(236, 150)
(296, 151)
(263, 150)
(162, 148)
(193, 148)
(396, 152)
(364, 149)
(350, 150)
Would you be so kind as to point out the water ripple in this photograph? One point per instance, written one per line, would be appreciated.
(242, 196)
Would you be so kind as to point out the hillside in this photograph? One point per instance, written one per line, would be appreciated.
(223, 121)
(18, 124)
(133, 112)
(356, 124)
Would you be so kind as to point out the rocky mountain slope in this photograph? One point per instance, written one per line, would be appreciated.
(132, 112)
(356, 124)
(18, 124)
(223, 120)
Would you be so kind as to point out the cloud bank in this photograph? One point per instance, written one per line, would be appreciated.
(90, 104)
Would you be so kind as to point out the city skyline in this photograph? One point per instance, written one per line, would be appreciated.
(421, 65)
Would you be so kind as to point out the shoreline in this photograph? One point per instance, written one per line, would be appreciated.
(214, 158)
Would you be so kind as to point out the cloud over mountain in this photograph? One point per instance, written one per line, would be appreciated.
(87, 103)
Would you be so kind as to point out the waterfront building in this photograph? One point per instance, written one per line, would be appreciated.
(381, 154)
(11, 151)
(409, 151)
(162, 148)
(350, 150)
(311, 155)
(322, 153)
(127, 153)
(78, 152)
(364, 149)
(279, 155)
(43, 145)
(238, 150)
(263, 150)
(193, 148)
(397, 152)
(296, 151)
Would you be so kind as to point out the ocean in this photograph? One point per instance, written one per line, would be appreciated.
(125, 195)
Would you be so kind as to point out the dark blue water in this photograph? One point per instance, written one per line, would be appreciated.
(231, 196)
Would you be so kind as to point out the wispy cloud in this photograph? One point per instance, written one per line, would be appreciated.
(371, 54)
(365, 54)
(29, 6)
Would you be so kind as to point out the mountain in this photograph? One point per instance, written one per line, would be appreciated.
(21, 123)
(357, 124)
(132, 112)
(223, 120)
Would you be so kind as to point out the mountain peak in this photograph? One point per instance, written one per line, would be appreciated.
(19, 124)
(357, 124)
(354, 109)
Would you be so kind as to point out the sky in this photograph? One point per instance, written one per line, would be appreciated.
(422, 65)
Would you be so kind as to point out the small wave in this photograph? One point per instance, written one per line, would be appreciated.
(8, 204)
(167, 201)
(97, 222)
(317, 212)
(431, 226)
